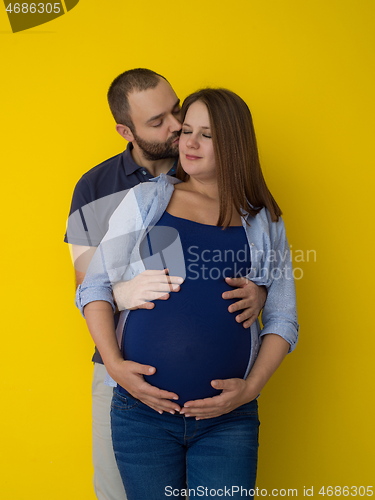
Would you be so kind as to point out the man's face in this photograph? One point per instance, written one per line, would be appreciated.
(156, 118)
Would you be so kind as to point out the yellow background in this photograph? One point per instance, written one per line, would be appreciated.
(307, 71)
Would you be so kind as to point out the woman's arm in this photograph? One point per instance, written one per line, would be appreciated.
(236, 391)
(99, 317)
(100, 321)
(271, 354)
(279, 334)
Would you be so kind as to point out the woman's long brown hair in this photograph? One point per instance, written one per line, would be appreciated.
(240, 179)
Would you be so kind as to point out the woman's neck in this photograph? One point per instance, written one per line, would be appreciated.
(208, 189)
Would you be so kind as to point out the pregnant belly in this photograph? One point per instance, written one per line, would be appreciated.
(190, 339)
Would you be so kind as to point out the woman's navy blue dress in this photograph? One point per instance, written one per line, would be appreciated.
(191, 338)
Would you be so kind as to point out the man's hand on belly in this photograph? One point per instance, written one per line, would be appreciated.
(139, 292)
(251, 300)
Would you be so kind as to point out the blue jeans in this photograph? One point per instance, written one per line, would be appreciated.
(161, 456)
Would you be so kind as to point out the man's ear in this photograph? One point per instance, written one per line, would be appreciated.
(125, 132)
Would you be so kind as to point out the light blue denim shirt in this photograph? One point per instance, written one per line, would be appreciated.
(118, 259)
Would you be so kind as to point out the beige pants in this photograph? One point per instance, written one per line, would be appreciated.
(107, 480)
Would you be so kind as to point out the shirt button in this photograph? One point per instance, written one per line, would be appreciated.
(144, 172)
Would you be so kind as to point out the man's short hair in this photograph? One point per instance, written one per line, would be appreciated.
(133, 80)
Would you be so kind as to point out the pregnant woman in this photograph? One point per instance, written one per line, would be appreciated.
(218, 220)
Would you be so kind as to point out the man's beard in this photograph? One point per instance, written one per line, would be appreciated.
(158, 150)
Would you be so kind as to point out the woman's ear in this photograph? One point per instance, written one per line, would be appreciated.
(125, 132)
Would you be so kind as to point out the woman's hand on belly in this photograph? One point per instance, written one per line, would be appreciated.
(130, 376)
(235, 392)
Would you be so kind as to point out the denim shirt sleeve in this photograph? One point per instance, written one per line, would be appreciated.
(279, 313)
(272, 267)
(96, 286)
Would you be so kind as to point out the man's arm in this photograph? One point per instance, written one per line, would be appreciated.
(236, 391)
(81, 256)
(137, 293)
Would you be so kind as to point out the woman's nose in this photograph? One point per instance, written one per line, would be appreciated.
(192, 142)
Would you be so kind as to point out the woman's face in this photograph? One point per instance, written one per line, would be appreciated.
(196, 147)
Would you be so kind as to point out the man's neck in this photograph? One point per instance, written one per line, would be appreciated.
(155, 167)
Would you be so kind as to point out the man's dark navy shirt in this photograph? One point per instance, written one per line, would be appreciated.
(97, 195)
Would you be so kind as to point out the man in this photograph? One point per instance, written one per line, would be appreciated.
(146, 110)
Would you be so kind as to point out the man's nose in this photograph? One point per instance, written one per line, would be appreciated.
(174, 124)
